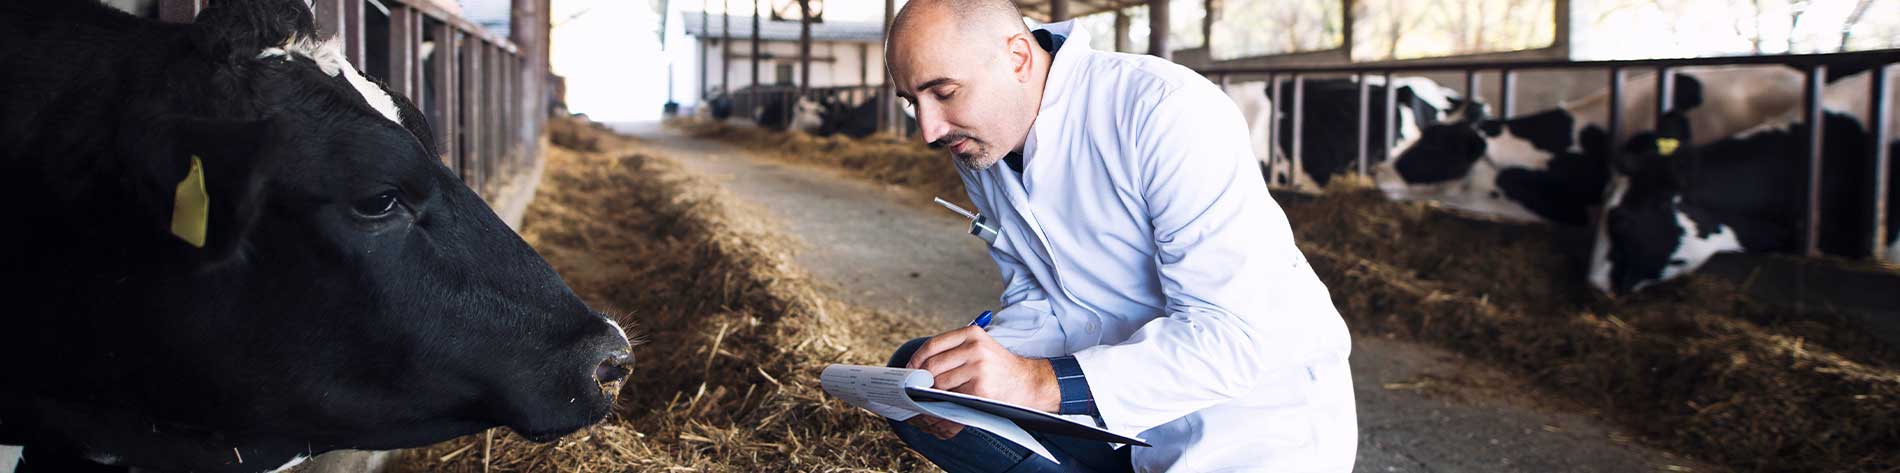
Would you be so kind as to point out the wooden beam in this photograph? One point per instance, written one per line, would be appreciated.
(804, 46)
(401, 52)
(1121, 31)
(755, 46)
(352, 31)
(1158, 30)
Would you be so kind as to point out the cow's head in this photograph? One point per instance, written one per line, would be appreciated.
(307, 276)
(1458, 162)
(1649, 232)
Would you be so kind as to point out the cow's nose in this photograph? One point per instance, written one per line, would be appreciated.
(615, 368)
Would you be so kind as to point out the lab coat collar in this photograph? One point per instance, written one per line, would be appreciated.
(1074, 49)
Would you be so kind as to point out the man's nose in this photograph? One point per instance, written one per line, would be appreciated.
(931, 123)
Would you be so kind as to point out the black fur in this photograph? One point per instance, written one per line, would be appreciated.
(303, 325)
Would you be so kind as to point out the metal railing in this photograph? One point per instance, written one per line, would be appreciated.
(1815, 67)
(750, 101)
(469, 83)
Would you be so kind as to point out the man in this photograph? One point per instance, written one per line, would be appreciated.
(1150, 282)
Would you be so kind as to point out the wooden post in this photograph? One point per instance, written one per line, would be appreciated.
(445, 107)
(1815, 87)
(705, 36)
(755, 47)
(1058, 10)
(352, 31)
(529, 27)
(469, 94)
(401, 51)
(1879, 117)
(887, 111)
(725, 46)
(1121, 30)
(1158, 29)
(804, 47)
(1208, 10)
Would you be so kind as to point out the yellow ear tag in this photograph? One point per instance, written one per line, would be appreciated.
(191, 206)
(1667, 146)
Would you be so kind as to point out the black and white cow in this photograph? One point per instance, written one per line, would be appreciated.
(1675, 203)
(228, 251)
(1552, 165)
(1328, 136)
(841, 117)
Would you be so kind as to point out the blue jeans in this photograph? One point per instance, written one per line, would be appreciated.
(976, 451)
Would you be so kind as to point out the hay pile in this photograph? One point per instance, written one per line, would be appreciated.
(881, 158)
(1694, 367)
(734, 338)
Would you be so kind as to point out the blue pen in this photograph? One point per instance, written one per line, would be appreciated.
(982, 320)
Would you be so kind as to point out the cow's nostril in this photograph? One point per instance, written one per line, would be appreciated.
(616, 367)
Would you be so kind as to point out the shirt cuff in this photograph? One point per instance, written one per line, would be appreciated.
(1076, 398)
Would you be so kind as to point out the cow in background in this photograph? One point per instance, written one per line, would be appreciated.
(231, 252)
(1680, 199)
(1552, 165)
(1331, 108)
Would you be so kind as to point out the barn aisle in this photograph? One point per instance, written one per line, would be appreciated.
(1420, 408)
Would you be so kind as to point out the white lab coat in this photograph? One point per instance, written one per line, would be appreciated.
(1140, 238)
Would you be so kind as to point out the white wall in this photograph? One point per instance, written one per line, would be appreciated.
(844, 69)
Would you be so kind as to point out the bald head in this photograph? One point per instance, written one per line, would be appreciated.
(973, 73)
(987, 16)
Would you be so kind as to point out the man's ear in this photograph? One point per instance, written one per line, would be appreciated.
(1022, 56)
(203, 190)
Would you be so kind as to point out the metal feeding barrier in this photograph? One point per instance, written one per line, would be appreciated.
(1815, 66)
(476, 88)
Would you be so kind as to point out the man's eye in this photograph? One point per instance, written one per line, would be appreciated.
(946, 95)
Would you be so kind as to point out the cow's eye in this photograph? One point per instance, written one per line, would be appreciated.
(377, 205)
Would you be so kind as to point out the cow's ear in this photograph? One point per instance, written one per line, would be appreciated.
(208, 183)
(234, 30)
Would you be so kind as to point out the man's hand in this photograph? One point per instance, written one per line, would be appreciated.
(968, 361)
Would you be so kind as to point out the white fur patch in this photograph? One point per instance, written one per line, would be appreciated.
(805, 116)
(617, 329)
(1509, 150)
(9, 458)
(328, 55)
(294, 461)
(1692, 251)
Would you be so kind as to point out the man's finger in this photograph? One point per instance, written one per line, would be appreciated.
(939, 344)
(960, 380)
(949, 360)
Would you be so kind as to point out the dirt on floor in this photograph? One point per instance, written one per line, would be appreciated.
(1695, 366)
(881, 158)
(731, 339)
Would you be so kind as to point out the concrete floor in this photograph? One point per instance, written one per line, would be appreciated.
(1420, 408)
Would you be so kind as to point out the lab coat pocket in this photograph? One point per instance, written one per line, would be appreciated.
(1028, 332)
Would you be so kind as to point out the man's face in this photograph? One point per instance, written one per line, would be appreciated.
(969, 89)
